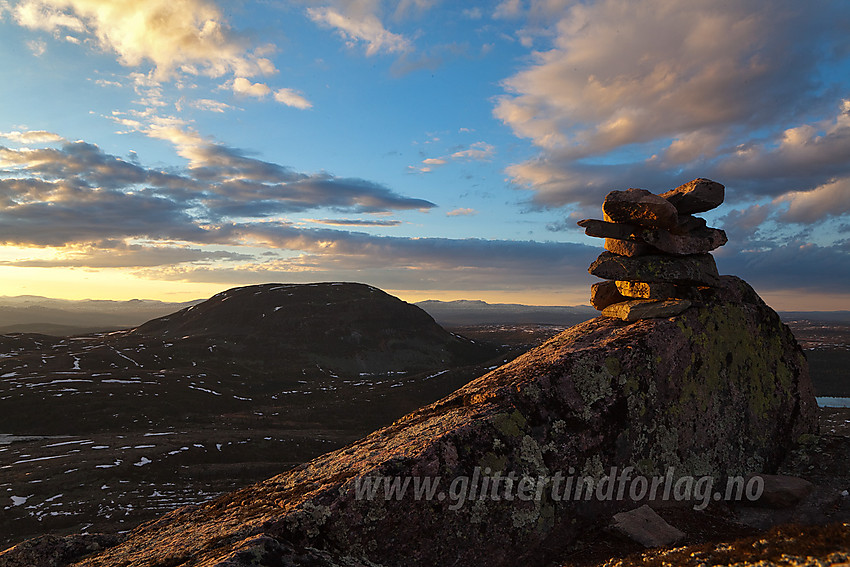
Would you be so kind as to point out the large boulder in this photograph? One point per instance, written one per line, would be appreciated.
(722, 389)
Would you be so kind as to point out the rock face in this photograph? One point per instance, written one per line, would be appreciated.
(655, 240)
(721, 389)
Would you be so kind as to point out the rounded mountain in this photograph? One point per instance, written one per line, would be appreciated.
(344, 326)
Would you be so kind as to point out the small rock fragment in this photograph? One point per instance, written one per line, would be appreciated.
(696, 196)
(636, 309)
(646, 290)
(697, 269)
(639, 206)
(603, 294)
(646, 527)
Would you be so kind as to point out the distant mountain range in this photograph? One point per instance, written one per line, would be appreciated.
(826, 316)
(36, 314)
(466, 312)
(62, 317)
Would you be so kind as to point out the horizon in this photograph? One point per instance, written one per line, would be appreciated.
(391, 292)
(174, 149)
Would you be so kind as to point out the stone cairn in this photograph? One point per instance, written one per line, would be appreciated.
(657, 256)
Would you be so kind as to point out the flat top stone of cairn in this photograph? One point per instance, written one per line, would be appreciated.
(697, 196)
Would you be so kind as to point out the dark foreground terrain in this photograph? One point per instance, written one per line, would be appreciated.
(104, 431)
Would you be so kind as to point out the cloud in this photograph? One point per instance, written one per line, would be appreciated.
(78, 193)
(243, 86)
(830, 199)
(410, 263)
(289, 97)
(508, 9)
(628, 72)
(292, 98)
(646, 94)
(405, 7)
(67, 214)
(210, 105)
(77, 164)
(361, 26)
(167, 39)
(431, 58)
(37, 47)
(556, 183)
(44, 16)
(242, 185)
(804, 154)
(801, 266)
(32, 137)
(796, 160)
(473, 13)
(742, 225)
(355, 222)
(106, 254)
(185, 36)
(479, 151)
(466, 212)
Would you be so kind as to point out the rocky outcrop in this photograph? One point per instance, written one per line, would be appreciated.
(721, 389)
(654, 240)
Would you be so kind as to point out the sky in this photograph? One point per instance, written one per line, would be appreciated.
(170, 149)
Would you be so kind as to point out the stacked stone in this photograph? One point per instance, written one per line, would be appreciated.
(657, 253)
